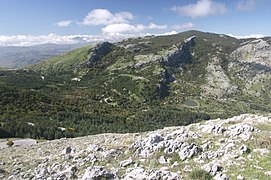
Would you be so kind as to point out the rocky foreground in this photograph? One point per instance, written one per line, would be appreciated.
(235, 148)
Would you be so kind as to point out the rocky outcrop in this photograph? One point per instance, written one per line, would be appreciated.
(254, 51)
(251, 63)
(222, 148)
(101, 50)
(97, 172)
(174, 56)
(181, 55)
(217, 82)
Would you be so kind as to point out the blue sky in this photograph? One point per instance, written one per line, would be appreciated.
(27, 22)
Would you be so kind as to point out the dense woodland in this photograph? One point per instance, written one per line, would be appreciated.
(32, 108)
(27, 112)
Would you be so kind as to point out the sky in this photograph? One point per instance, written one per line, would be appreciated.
(31, 22)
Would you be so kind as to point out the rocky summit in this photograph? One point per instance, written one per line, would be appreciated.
(234, 148)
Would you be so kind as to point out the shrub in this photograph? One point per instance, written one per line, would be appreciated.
(199, 174)
(9, 143)
(264, 142)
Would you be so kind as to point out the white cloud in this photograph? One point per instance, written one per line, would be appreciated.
(155, 26)
(64, 23)
(200, 9)
(105, 17)
(188, 25)
(247, 36)
(246, 5)
(121, 28)
(129, 28)
(168, 33)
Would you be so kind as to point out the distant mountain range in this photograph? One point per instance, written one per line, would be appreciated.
(19, 56)
(138, 84)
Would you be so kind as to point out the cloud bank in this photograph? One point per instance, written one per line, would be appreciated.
(105, 17)
(201, 9)
(29, 40)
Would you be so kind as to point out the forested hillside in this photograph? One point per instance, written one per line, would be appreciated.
(136, 85)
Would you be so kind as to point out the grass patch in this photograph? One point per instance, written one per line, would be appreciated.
(254, 169)
(191, 103)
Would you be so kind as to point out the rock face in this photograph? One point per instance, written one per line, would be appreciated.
(222, 148)
(98, 52)
(181, 54)
(175, 56)
(218, 83)
(251, 63)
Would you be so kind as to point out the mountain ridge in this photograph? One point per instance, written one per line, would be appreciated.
(140, 84)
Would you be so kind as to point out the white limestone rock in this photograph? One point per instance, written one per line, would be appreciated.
(126, 162)
(189, 151)
(93, 148)
(135, 173)
(97, 172)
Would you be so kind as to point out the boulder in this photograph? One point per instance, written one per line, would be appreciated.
(216, 129)
(126, 163)
(56, 167)
(96, 173)
(145, 153)
(154, 139)
(267, 173)
(176, 133)
(93, 148)
(238, 129)
(41, 172)
(162, 160)
(2, 171)
(135, 173)
(206, 145)
(164, 174)
(189, 151)
(221, 176)
(111, 153)
(244, 149)
(240, 177)
(210, 155)
(91, 158)
(67, 150)
(172, 146)
(69, 173)
(212, 168)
